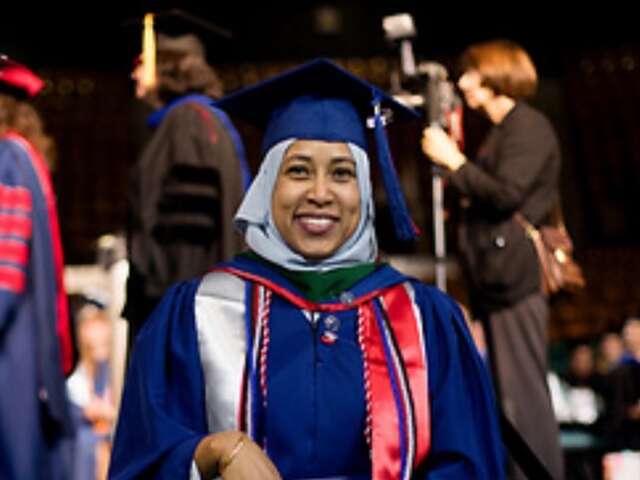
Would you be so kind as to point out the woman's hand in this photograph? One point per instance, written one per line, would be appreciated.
(233, 456)
(443, 151)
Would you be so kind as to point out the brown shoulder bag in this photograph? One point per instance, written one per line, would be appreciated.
(558, 269)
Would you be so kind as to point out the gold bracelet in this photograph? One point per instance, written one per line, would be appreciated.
(226, 462)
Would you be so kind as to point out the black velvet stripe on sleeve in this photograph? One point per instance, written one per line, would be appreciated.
(191, 174)
(189, 234)
(189, 200)
(189, 207)
(190, 189)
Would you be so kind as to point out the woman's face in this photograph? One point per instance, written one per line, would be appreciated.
(316, 200)
(475, 94)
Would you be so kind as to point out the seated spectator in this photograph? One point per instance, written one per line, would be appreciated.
(578, 403)
(623, 416)
(585, 386)
(90, 395)
(610, 352)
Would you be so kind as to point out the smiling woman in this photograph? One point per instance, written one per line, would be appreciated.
(307, 357)
(316, 201)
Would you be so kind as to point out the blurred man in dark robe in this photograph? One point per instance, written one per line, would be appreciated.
(189, 179)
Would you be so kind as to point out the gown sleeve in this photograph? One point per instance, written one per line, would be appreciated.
(15, 231)
(465, 437)
(162, 414)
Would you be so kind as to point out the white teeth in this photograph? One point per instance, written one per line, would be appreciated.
(317, 222)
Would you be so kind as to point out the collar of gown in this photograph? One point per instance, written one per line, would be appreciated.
(322, 286)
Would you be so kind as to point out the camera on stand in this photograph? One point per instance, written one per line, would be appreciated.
(426, 86)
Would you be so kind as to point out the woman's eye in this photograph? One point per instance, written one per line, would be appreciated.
(344, 174)
(297, 171)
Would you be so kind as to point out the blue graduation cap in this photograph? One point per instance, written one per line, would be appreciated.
(321, 101)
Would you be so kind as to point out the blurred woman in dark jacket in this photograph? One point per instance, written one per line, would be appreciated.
(516, 170)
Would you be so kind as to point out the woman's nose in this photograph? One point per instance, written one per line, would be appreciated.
(469, 79)
(320, 190)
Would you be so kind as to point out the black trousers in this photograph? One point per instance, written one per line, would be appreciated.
(517, 340)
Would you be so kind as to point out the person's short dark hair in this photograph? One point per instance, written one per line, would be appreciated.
(182, 69)
(505, 67)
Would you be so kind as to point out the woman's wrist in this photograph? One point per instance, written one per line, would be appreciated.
(227, 458)
(206, 458)
(216, 452)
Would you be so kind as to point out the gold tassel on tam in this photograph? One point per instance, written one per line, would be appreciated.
(148, 53)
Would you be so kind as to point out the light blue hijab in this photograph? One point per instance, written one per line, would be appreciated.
(255, 221)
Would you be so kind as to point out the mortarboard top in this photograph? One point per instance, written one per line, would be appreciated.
(316, 96)
(178, 23)
(177, 32)
(321, 101)
(18, 79)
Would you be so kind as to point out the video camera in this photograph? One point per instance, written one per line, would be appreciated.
(425, 85)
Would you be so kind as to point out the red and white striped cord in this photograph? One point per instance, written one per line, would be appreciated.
(265, 306)
(365, 369)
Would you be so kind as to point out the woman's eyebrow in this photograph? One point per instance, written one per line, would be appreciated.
(298, 156)
(342, 159)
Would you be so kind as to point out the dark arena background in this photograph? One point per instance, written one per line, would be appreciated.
(588, 60)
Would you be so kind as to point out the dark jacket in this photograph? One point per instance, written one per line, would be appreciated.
(517, 169)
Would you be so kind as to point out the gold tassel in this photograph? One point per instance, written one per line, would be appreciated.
(148, 53)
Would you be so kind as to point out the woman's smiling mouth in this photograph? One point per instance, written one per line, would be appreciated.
(316, 224)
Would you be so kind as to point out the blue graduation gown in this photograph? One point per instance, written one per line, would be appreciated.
(313, 422)
(34, 413)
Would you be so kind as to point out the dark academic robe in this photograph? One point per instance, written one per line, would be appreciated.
(35, 344)
(382, 381)
(184, 191)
